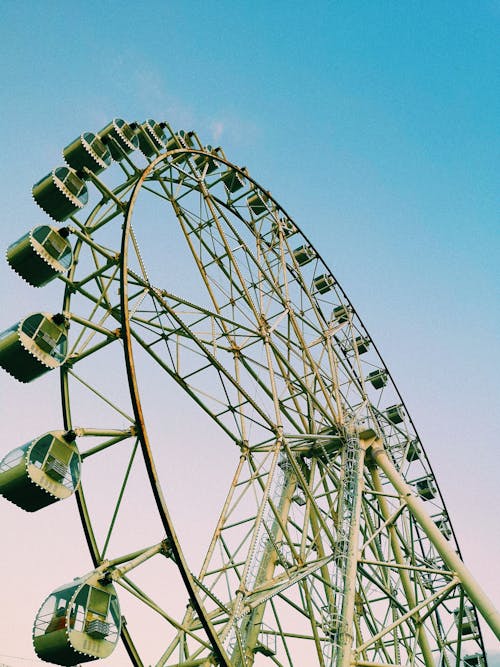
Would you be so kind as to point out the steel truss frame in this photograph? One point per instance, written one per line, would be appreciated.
(323, 553)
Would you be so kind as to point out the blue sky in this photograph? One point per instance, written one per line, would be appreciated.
(374, 124)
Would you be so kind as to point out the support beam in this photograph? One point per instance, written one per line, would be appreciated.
(477, 596)
(349, 516)
(405, 578)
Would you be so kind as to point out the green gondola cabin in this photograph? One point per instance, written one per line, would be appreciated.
(233, 180)
(257, 203)
(205, 163)
(33, 346)
(61, 193)
(78, 622)
(87, 151)
(120, 138)
(41, 255)
(304, 254)
(42, 471)
(323, 283)
(150, 135)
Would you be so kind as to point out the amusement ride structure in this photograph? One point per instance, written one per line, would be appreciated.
(332, 545)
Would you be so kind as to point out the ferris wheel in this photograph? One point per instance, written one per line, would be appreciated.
(332, 544)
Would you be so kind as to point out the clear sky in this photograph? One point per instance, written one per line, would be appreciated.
(374, 124)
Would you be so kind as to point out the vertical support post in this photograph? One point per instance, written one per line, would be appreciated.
(477, 596)
(250, 628)
(349, 515)
(405, 579)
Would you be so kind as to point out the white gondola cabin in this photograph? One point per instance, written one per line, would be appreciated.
(41, 255)
(78, 622)
(61, 193)
(266, 642)
(33, 346)
(42, 471)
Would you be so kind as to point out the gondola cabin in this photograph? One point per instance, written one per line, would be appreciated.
(42, 471)
(257, 203)
(233, 180)
(178, 140)
(120, 138)
(377, 378)
(33, 346)
(87, 151)
(323, 283)
(304, 254)
(395, 414)
(341, 314)
(61, 193)
(413, 451)
(41, 255)
(77, 623)
(426, 488)
(150, 135)
(181, 139)
(205, 163)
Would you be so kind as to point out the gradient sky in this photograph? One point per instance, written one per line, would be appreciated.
(372, 123)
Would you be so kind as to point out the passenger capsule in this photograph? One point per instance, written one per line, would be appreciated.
(362, 344)
(395, 414)
(120, 138)
(413, 451)
(426, 488)
(304, 254)
(150, 135)
(233, 180)
(61, 193)
(88, 151)
(257, 203)
(206, 163)
(180, 139)
(341, 314)
(323, 283)
(33, 346)
(78, 622)
(41, 255)
(41, 472)
(443, 525)
(377, 378)
(466, 620)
